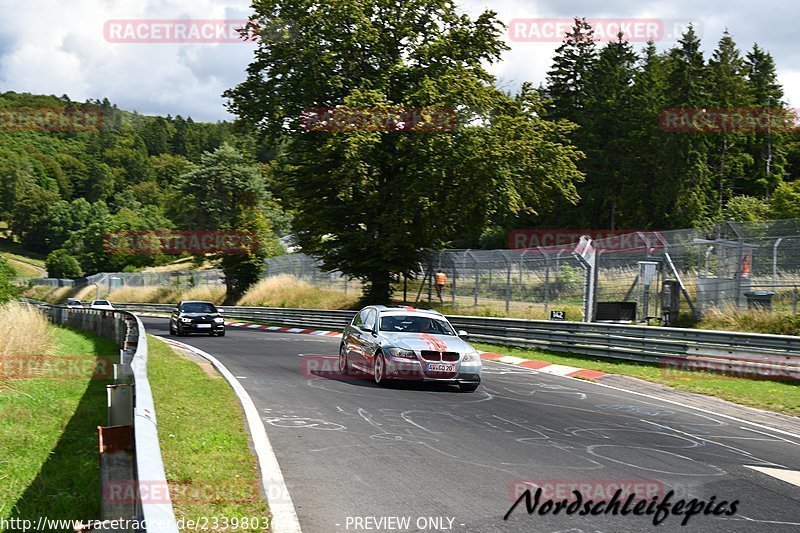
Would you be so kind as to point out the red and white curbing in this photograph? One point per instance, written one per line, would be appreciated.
(542, 366)
(303, 331)
(539, 366)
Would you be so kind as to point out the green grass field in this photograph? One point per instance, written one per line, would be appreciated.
(48, 436)
(204, 441)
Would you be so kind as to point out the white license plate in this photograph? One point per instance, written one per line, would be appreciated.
(439, 367)
(201, 326)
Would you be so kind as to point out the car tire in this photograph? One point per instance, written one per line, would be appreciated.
(171, 328)
(379, 370)
(211, 333)
(344, 363)
(222, 333)
(468, 387)
(180, 331)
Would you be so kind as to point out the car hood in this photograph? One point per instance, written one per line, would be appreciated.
(200, 315)
(426, 341)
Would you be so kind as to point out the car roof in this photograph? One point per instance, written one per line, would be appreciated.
(405, 310)
(195, 302)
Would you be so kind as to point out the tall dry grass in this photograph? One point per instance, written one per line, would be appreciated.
(166, 295)
(24, 331)
(754, 320)
(288, 291)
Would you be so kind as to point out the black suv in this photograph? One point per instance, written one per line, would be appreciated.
(196, 317)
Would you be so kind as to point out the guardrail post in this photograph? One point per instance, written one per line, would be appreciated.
(117, 479)
(120, 404)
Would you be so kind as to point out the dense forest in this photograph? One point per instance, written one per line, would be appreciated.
(62, 191)
(639, 174)
(604, 159)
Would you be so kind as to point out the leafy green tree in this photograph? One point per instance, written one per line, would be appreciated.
(60, 264)
(786, 200)
(369, 202)
(7, 289)
(31, 218)
(746, 209)
(227, 192)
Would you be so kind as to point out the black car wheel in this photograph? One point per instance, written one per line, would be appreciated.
(171, 328)
(344, 364)
(222, 333)
(380, 369)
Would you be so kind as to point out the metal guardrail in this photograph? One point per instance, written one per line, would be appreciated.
(732, 353)
(130, 454)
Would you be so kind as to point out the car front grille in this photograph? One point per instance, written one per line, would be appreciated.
(430, 355)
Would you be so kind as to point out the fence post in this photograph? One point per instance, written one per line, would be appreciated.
(546, 284)
(508, 285)
(775, 262)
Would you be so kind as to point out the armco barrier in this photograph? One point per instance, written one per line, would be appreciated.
(751, 354)
(129, 448)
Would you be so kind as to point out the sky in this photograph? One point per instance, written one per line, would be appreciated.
(71, 47)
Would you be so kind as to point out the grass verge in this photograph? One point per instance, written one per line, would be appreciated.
(49, 465)
(211, 469)
(779, 396)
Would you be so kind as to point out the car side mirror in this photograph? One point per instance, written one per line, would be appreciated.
(463, 334)
(220, 311)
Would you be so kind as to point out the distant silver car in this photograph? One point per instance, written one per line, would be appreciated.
(102, 304)
(410, 344)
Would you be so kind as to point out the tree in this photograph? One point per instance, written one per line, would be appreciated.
(687, 166)
(227, 192)
(786, 200)
(606, 133)
(7, 289)
(728, 90)
(746, 209)
(568, 78)
(60, 264)
(768, 149)
(370, 201)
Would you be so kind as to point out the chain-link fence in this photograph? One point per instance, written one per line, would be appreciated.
(636, 276)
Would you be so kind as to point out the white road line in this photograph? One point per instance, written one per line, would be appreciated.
(284, 516)
(673, 402)
(789, 476)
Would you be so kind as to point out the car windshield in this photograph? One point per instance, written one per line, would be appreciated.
(198, 307)
(416, 324)
(101, 302)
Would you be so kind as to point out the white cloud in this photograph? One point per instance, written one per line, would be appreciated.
(57, 47)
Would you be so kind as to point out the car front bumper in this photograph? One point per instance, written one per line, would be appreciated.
(198, 327)
(413, 370)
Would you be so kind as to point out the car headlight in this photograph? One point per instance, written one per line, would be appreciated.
(219, 320)
(472, 357)
(399, 352)
(186, 320)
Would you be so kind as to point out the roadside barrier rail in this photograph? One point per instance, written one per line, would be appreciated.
(130, 454)
(731, 353)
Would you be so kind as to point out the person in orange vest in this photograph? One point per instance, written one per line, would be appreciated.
(441, 281)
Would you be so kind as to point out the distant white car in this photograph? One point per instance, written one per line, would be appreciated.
(102, 304)
(74, 303)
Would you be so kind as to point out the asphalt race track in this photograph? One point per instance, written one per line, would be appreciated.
(354, 454)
